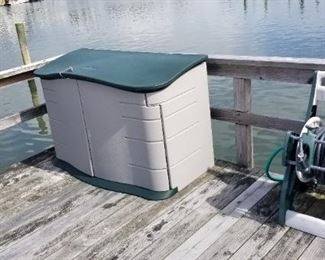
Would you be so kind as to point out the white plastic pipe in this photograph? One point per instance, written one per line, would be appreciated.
(305, 223)
(320, 88)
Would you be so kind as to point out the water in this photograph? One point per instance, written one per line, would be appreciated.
(293, 28)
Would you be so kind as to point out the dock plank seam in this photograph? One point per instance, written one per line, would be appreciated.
(209, 233)
(171, 223)
(263, 248)
(163, 207)
(97, 198)
(248, 224)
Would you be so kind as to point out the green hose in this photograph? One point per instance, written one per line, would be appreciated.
(269, 162)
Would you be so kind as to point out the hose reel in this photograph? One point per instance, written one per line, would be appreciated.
(303, 156)
(309, 150)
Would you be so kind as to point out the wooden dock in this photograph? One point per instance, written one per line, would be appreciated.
(229, 212)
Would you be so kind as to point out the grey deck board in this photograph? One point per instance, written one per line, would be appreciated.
(47, 214)
(294, 242)
(268, 235)
(315, 251)
(217, 227)
(162, 235)
(110, 241)
(248, 225)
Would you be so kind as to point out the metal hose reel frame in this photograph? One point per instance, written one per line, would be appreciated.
(303, 156)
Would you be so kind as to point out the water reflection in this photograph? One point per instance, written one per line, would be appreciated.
(301, 4)
(21, 142)
(245, 5)
(43, 129)
(229, 27)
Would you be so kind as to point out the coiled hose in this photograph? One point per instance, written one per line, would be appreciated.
(319, 160)
(320, 154)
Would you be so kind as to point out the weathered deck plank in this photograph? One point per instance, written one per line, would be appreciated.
(248, 225)
(294, 242)
(222, 214)
(37, 199)
(112, 241)
(267, 236)
(262, 241)
(218, 225)
(162, 235)
(315, 251)
(290, 246)
(83, 235)
(41, 208)
(169, 240)
(19, 177)
(75, 209)
(187, 227)
(13, 179)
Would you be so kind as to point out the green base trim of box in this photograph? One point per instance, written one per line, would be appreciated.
(114, 186)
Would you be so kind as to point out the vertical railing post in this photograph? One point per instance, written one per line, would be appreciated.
(244, 136)
(22, 39)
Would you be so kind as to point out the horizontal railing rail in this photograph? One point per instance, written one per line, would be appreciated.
(241, 68)
(291, 70)
(22, 116)
(24, 72)
(261, 121)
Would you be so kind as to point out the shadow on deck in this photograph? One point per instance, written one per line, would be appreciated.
(227, 213)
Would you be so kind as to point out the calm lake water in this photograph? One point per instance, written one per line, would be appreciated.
(293, 28)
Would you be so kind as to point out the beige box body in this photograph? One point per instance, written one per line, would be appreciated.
(159, 141)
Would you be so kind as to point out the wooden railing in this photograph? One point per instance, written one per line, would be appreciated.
(242, 69)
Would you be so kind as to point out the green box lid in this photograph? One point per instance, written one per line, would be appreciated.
(140, 72)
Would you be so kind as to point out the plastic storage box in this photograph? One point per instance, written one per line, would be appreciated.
(127, 121)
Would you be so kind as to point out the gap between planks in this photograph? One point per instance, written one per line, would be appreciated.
(170, 229)
(218, 225)
(113, 241)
